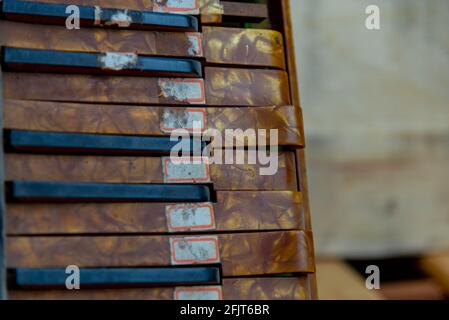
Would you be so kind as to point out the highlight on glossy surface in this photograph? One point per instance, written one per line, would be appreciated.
(143, 169)
(255, 47)
(233, 211)
(241, 254)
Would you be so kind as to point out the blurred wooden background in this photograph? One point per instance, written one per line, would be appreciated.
(376, 109)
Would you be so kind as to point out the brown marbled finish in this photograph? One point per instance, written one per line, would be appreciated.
(121, 169)
(243, 10)
(226, 87)
(145, 120)
(246, 87)
(49, 37)
(83, 88)
(285, 119)
(288, 288)
(233, 211)
(234, 46)
(242, 254)
(232, 289)
(256, 47)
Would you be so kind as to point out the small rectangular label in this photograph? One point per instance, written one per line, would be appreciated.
(189, 119)
(117, 60)
(190, 217)
(194, 250)
(196, 44)
(198, 293)
(177, 6)
(190, 91)
(185, 169)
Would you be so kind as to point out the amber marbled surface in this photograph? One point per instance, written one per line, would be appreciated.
(248, 177)
(48, 37)
(256, 47)
(223, 86)
(285, 288)
(241, 254)
(232, 289)
(121, 169)
(246, 87)
(83, 88)
(233, 211)
(259, 210)
(146, 120)
(235, 11)
(230, 46)
(245, 9)
(286, 119)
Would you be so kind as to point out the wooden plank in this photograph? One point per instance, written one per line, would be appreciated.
(109, 169)
(136, 120)
(108, 277)
(39, 12)
(287, 288)
(47, 37)
(436, 265)
(246, 87)
(255, 47)
(232, 211)
(227, 87)
(338, 281)
(32, 60)
(240, 254)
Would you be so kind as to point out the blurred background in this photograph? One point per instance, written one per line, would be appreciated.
(376, 113)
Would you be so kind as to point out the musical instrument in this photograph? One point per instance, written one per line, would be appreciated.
(93, 92)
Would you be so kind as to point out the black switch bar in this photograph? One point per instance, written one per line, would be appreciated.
(34, 191)
(33, 60)
(50, 13)
(103, 277)
(58, 142)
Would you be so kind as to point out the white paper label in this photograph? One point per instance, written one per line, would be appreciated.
(190, 217)
(186, 169)
(184, 90)
(198, 293)
(183, 118)
(194, 250)
(120, 18)
(196, 44)
(177, 6)
(118, 60)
